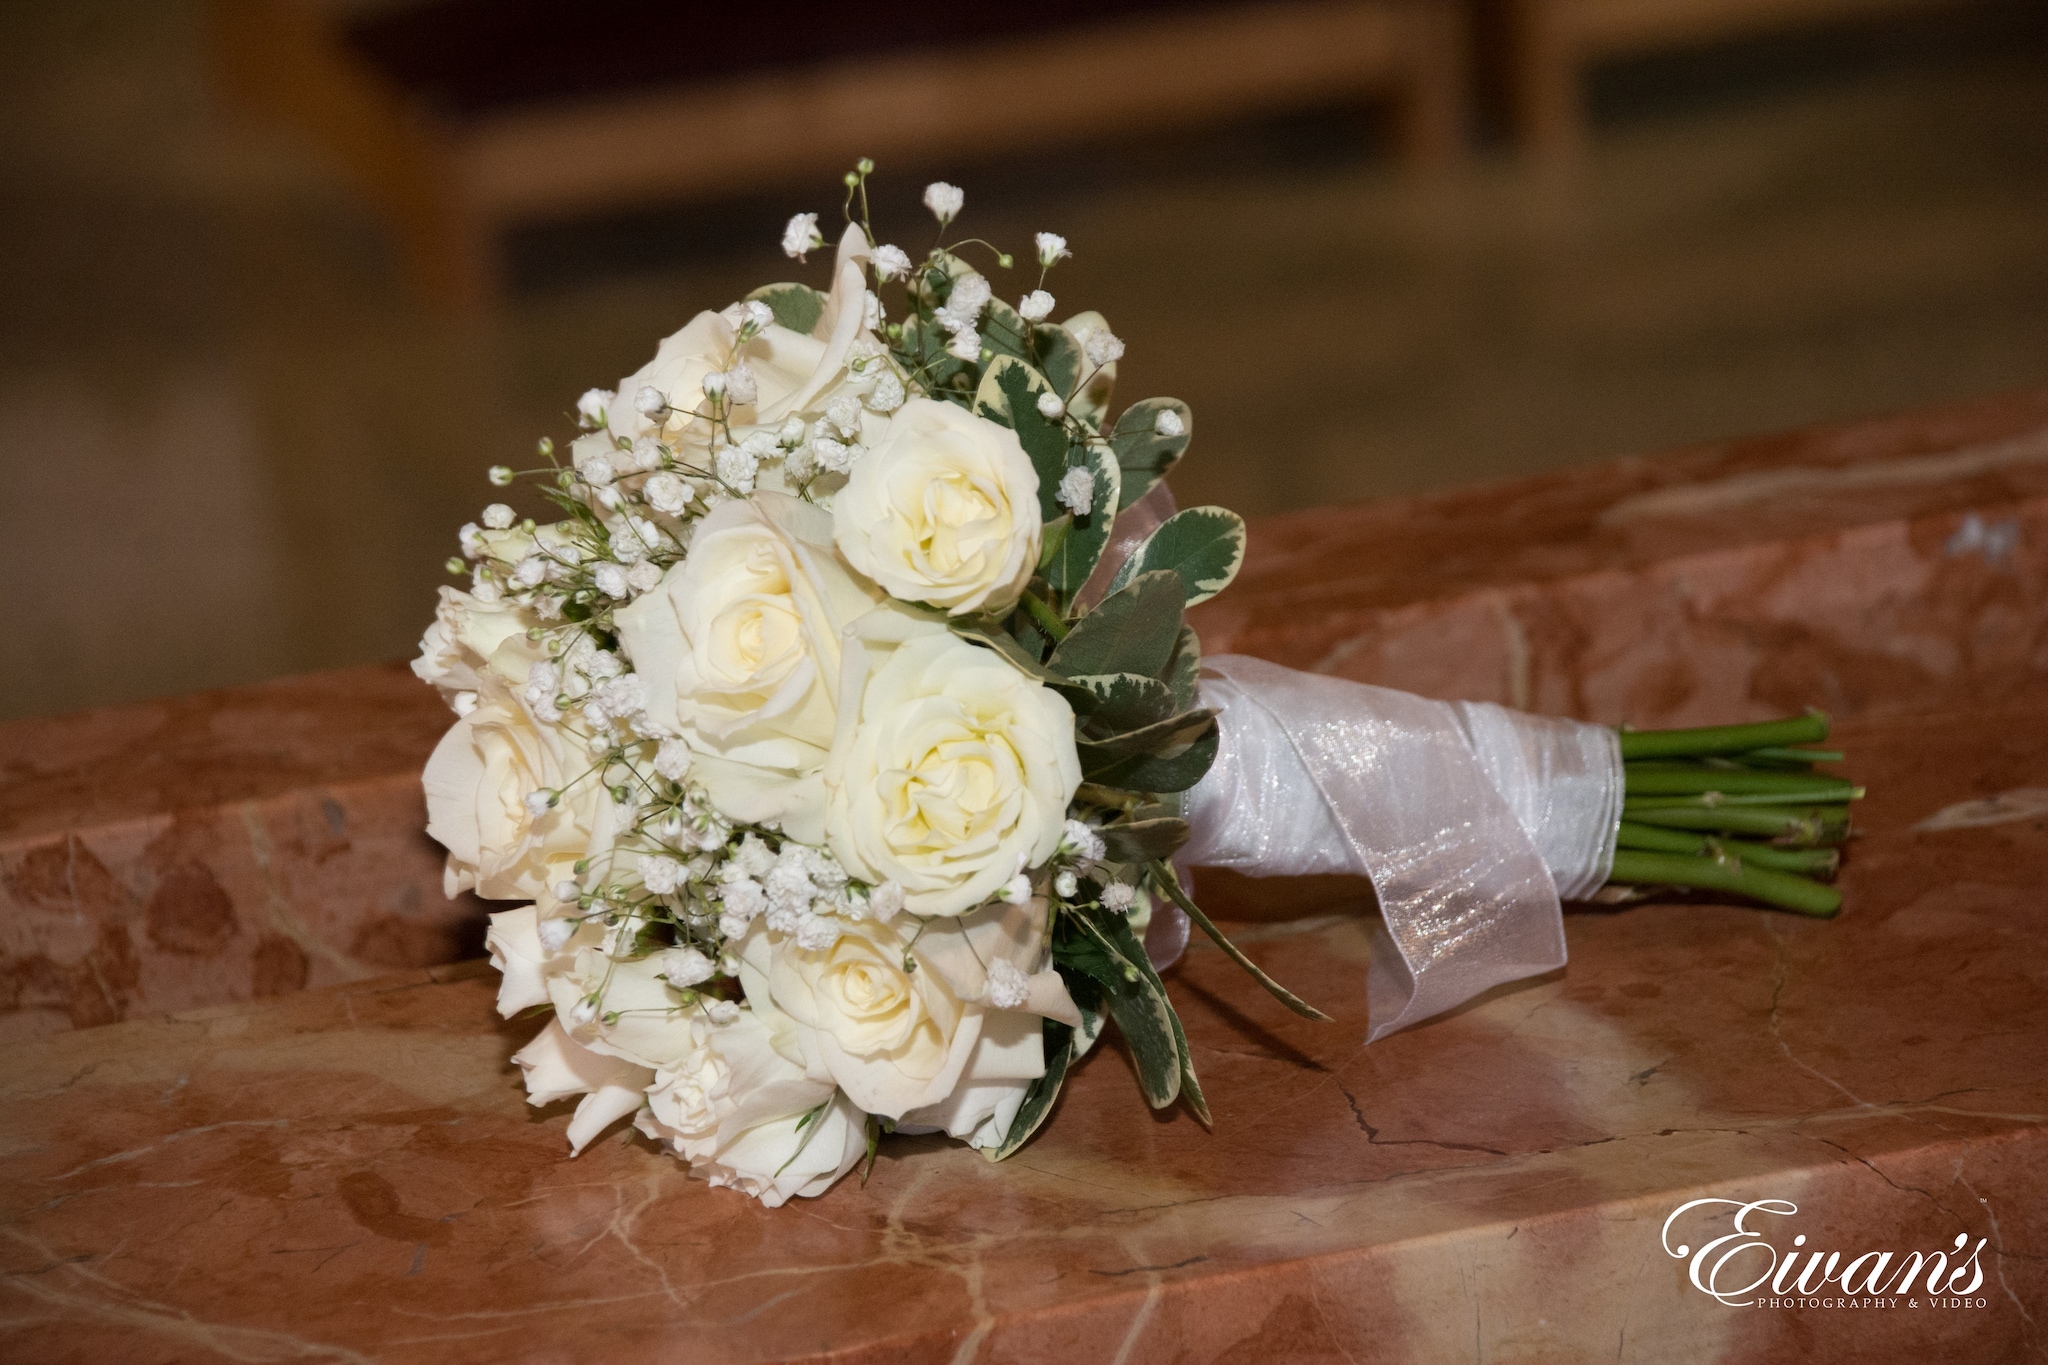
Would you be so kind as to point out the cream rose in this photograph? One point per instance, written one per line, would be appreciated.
(739, 652)
(950, 772)
(793, 372)
(478, 782)
(922, 1045)
(943, 511)
(732, 1107)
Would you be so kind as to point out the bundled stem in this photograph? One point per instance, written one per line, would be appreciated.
(1737, 809)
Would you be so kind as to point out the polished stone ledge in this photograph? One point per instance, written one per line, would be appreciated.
(352, 1173)
(247, 842)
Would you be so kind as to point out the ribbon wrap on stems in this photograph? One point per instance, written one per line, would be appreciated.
(1472, 821)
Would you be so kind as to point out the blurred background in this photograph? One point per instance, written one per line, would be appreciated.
(281, 278)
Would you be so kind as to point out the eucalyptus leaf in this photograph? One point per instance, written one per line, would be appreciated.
(1141, 451)
(796, 306)
(1080, 549)
(1040, 1095)
(1009, 394)
(1133, 630)
(1204, 545)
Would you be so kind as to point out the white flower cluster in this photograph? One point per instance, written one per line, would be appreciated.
(781, 831)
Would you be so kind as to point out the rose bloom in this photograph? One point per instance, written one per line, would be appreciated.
(477, 782)
(944, 510)
(923, 1047)
(793, 372)
(739, 650)
(465, 633)
(953, 771)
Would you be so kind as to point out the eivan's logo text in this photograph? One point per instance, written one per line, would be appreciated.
(1743, 1266)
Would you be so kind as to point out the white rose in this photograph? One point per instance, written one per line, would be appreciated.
(739, 649)
(732, 1105)
(556, 1067)
(944, 510)
(922, 1045)
(477, 784)
(465, 634)
(791, 372)
(952, 772)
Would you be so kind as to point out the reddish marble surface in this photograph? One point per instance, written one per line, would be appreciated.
(235, 844)
(351, 1174)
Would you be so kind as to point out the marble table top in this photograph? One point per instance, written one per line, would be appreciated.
(352, 1174)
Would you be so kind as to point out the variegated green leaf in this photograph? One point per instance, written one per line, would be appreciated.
(1133, 630)
(1143, 452)
(1009, 395)
(1074, 559)
(1114, 702)
(796, 306)
(1204, 545)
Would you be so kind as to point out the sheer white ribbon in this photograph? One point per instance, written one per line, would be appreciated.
(1470, 820)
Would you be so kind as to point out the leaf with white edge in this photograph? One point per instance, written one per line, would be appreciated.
(999, 640)
(796, 306)
(1190, 1089)
(1091, 401)
(1204, 545)
(1165, 739)
(1183, 673)
(922, 352)
(1058, 1046)
(1140, 841)
(1143, 453)
(1143, 1015)
(1163, 878)
(1174, 772)
(1133, 630)
(1009, 395)
(1004, 331)
(1080, 549)
(1059, 357)
(1116, 702)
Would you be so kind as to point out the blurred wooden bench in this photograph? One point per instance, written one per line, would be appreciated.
(548, 110)
(1542, 48)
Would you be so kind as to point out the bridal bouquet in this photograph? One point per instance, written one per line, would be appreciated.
(842, 729)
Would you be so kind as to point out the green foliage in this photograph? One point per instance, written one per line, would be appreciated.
(1081, 547)
(1141, 841)
(1111, 703)
(1059, 357)
(1174, 770)
(1133, 630)
(1204, 545)
(1141, 452)
(1039, 1098)
(1137, 1002)
(796, 306)
(1009, 394)
(1184, 670)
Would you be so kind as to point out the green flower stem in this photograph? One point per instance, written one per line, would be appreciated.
(1046, 617)
(1811, 794)
(1790, 788)
(1795, 827)
(1783, 755)
(1724, 739)
(1814, 862)
(1781, 889)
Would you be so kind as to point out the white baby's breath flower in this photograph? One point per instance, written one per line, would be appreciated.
(1008, 987)
(963, 307)
(740, 384)
(529, 572)
(737, 468)
(887, 393)
(686, 967)
(661, 875)
(1101, 346)
(1035, 306)
(792, 433)
(539, 802)
(672, 760)
(472, 537)
(1066, 885)
(650, 402)
(1015, 891)
(885, 902)
(891, 262)
(1077, 491)
(965, 345)
(556, 933)
(713, 385)
(945, 201)
(1119, 897)
(667, 493)
(501, 476)
(801, 235)
(644, 576)
(834, 457)
(590, 408)
(1051, 406)
(647, 453)
(1083, 843)
(1168, 423)
(611, 580)
(598, 471)
(722, 1012)
(1052, 247)
(844, 413)
(497, 516)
